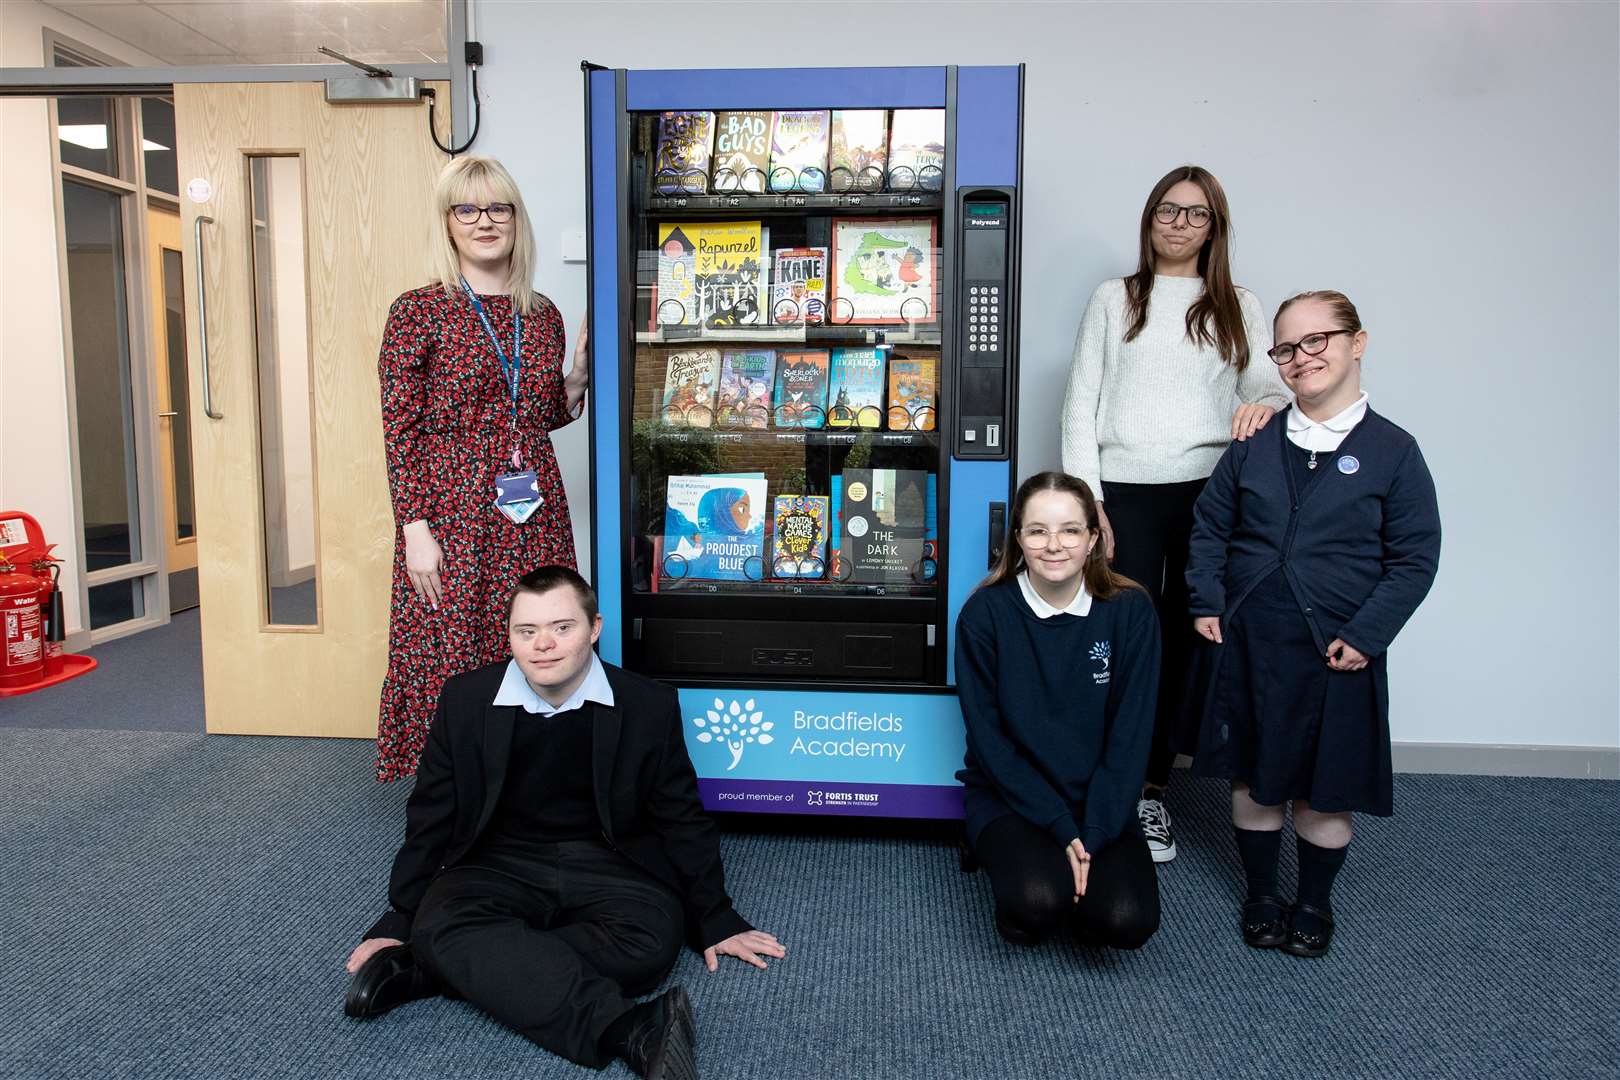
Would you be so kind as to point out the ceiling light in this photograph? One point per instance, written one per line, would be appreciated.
(89, 136)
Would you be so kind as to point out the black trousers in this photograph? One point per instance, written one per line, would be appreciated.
(552, 943)
(1152, 527)
(1034, 886)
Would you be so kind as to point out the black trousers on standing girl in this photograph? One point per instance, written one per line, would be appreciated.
(1152, 527)
(1034, 886)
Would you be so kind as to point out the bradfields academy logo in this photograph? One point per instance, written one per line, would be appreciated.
(735, 725)
(1101, 651)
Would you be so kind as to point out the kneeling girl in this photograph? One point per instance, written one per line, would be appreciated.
(1312, 545)
(1057, 667)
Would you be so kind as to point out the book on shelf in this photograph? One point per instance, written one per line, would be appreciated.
(799, 537)
(745, 388)
(799, 286)
(884, 519)
(835, 531)
(691, 377)
(884, 270)
(801, 389)
(917, 150)
(712, 274)
(860, 149)
(855, 388)
(742, 151)
(681, 161)
(714, 527)
(799, 150)
(913, 392)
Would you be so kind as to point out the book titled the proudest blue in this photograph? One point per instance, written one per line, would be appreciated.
(714, 527)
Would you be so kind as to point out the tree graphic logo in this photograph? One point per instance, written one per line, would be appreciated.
(1101, 651)
(735, 725)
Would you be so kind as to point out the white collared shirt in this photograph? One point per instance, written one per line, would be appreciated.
(1080, 605)
(1324, 437)
(515, 690)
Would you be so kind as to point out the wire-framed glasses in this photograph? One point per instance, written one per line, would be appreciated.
(1310, 345)
(468, 214)
(1039, 536)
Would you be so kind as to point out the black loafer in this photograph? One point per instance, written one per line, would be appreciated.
(1264, 923)
(665, 1046)
(1312, 942)
(386, 981)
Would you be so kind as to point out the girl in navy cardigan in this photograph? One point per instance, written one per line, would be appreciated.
(1313, 543)
(1057, 666)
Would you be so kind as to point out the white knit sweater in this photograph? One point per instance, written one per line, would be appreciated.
(1158, 410)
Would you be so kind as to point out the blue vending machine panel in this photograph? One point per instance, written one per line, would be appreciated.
(800, 414)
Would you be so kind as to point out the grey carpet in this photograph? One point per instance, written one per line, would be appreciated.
(151, 681)
(178, 906)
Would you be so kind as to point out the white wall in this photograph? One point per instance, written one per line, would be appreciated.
(36, 473)
(1452, 167)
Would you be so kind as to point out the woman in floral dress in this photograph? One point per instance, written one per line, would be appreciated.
(472, 387)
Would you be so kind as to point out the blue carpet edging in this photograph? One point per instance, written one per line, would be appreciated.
(180, 906)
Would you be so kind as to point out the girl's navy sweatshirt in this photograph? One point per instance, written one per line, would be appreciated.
(1059, 712)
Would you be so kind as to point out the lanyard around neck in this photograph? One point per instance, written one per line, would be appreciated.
(511, 369)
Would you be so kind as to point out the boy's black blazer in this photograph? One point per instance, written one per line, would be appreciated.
(646, 797)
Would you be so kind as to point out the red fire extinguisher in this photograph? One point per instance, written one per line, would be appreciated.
(23, 659)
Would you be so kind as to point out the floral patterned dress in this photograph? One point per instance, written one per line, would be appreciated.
(447, 428)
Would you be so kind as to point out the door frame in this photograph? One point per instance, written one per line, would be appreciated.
(115, 80)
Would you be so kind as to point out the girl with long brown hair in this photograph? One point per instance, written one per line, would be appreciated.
(1057, 661)
(1169, 366)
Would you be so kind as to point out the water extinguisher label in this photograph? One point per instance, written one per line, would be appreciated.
(23, 639)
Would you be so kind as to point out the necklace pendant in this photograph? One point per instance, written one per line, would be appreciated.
(1311, 464)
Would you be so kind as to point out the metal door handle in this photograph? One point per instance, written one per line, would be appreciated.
(202, 321)
(171, 412)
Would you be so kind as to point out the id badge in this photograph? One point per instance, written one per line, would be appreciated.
(517, 495)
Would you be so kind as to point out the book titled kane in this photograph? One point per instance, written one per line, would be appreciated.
(742, 151)
(714, 528)
(799, 536)
(799, 150)
(913, 392)
(860, 149)
(917, 150)
(799, 286)
(801, 389)
(884, 515)
(745, 388)
(690, 378)
(882, 270)
(685, 144)
(855, 388)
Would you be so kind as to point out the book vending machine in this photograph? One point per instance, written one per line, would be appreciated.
(804, 328)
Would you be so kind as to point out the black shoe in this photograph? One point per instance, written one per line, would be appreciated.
(1314, 938)
(664, 1046)
(386, 981)
(1264, 922)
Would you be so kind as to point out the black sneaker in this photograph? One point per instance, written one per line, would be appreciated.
(1155, 821)
(664, 1046)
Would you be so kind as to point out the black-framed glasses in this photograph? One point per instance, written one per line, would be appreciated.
(1310, 345)
(1197, 216)
(1039, 536)
(468, 214)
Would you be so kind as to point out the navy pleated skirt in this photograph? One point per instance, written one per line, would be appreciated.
(1268, 712)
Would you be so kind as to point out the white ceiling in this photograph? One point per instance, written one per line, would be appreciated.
(191, 32)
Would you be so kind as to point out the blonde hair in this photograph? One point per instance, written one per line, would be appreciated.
(483, 180)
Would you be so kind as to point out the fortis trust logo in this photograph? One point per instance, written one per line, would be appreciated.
(735, 725)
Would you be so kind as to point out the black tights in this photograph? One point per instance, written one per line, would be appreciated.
(1034, 886)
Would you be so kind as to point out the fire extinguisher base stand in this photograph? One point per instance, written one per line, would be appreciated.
(72, 666)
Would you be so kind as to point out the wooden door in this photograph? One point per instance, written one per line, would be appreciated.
(361, 187)
(165, 260)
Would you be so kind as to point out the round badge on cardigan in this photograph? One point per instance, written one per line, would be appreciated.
(1348, 465)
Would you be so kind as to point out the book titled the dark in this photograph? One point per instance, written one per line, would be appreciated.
(885, 515)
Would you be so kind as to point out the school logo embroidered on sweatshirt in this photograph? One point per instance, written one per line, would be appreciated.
(1101, 651)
